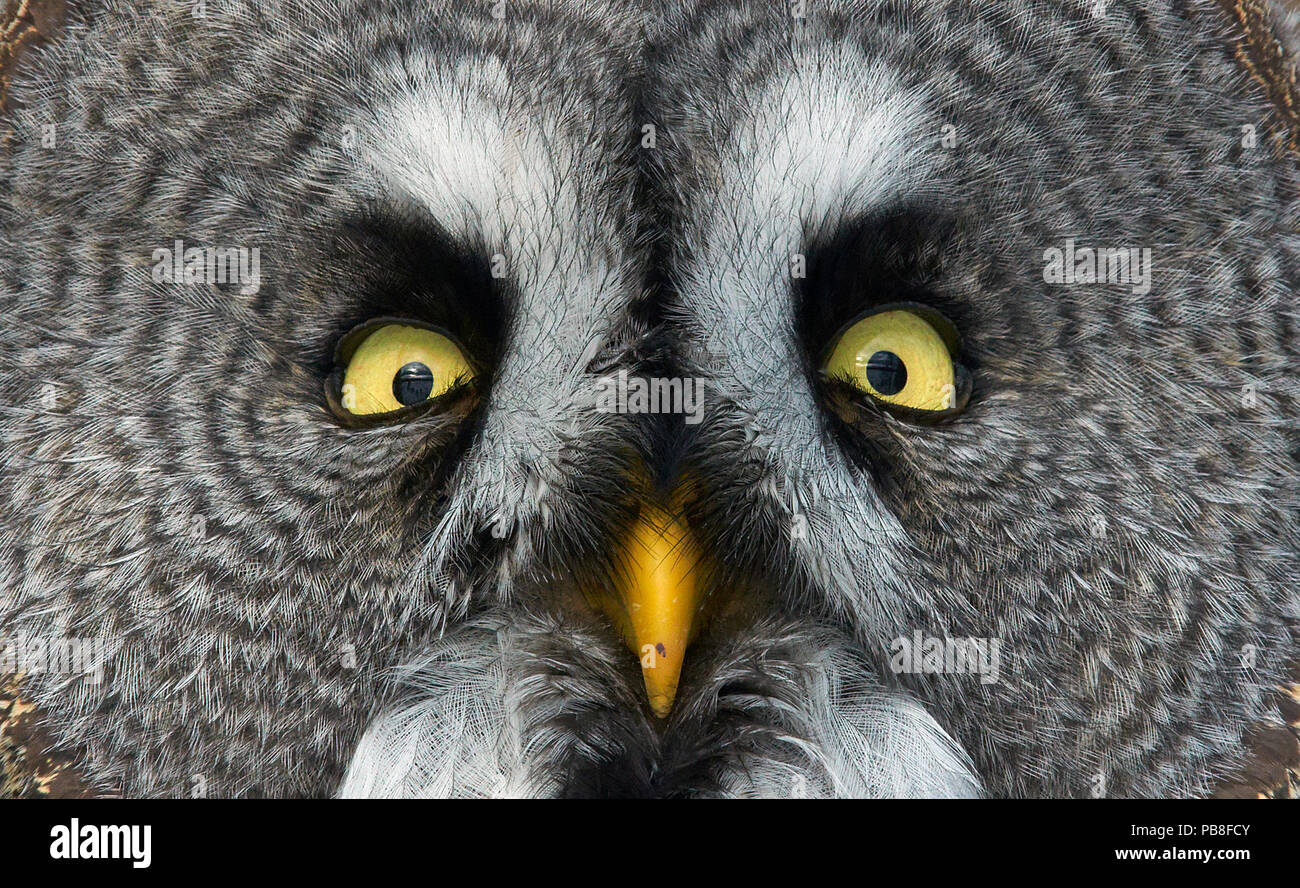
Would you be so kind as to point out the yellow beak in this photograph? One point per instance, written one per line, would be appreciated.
(655, 599)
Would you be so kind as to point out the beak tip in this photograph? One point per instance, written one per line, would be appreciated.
(661, 705)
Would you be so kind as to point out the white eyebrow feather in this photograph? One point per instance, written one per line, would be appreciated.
(832, 139)
(485, 166)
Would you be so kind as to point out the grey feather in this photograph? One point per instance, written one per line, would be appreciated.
(1117, 506)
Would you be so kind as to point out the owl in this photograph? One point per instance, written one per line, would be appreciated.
(602, 398)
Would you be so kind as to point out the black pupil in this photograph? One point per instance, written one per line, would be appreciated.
(887, 373)
(413, 383)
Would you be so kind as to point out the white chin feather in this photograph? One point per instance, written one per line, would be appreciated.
(460, 735)
(863, 742)
(456, 739)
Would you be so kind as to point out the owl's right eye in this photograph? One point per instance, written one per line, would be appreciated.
(390, 366)
(902, 356)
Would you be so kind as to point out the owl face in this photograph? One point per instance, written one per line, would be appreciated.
(923, 432)
(706, 400)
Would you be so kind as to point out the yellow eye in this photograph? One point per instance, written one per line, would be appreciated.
(398, 365)
(898, 357)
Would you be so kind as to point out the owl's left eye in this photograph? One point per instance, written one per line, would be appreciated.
(902, 357)
(388, 367)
